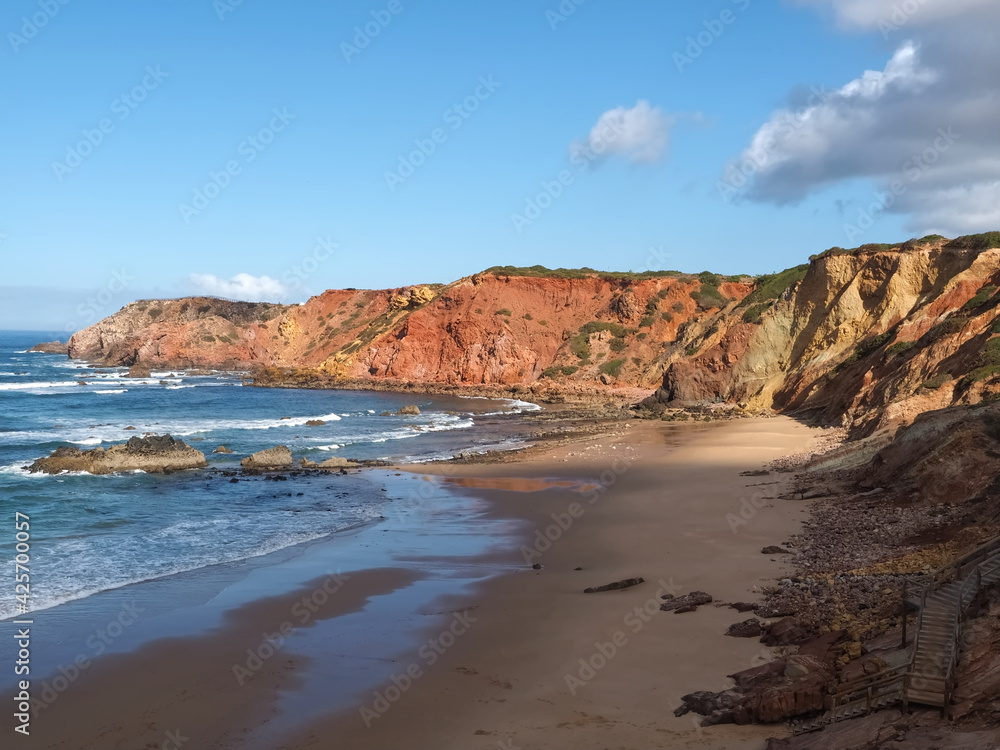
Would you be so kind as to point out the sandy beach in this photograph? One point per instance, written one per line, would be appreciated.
(662, 516)
(521, 658)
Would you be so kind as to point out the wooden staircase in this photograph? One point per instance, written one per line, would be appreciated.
(944, 601)
(927, 676)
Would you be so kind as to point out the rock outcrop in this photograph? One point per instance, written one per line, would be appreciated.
(50, 347)
(501, 327)
(157, 454)
(279, 457)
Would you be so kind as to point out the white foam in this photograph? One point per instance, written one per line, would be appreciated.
(37, 385)
(204, 556)
(111, 391)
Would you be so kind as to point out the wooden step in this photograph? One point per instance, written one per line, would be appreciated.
(926, 699)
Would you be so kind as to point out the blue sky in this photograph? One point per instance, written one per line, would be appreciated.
(301, 125)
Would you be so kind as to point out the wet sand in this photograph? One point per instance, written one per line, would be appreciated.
(497, 663)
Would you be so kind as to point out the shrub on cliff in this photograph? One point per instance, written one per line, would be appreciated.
(898, 348)
(984, 241)
(753, 313)
(772, 286)
(980, 299)
(613, 367)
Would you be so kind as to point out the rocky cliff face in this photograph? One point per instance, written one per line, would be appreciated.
(495, 328)
(867, 338)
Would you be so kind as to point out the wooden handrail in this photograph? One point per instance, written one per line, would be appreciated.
(887, 677)
(972, 580)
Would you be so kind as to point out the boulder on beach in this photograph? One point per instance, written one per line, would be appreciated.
(775, 550)
(50, 347)
(687, 603)
(746, 629)
(616, 586)
(222, 449)
(279, 457)
(154, 455)
(409, 410)
(138, 370)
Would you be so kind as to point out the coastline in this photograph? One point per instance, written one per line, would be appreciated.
(504, 677)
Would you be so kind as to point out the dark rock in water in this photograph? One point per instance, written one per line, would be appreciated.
(742, 606)
(775, 550)
(51, 347)
(747, 629)
(617, 585)
(138, 371)
(693, 600)
(279, 457)
(387, 414)
(222, 449)
(536, 566)
(409, 410)
(130, 427)
(156, 455)
(315, 423)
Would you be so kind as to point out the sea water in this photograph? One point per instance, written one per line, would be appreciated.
(95, 533)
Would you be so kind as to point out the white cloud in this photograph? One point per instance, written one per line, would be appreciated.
(242, 286)
(883, 123)
(884, 14)
(639, 134)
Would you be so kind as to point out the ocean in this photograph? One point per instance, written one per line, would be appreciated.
(91, 534)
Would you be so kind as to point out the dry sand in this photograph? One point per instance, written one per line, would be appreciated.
(504, 682)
